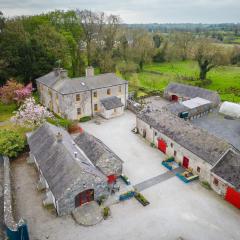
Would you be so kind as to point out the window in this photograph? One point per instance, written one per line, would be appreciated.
(175, 153)
(198, 169)
(78, 97)
(120, 89)
(79, 111)
(95, 94)
(155, 134)
(95, 107)
(108, 91)
(115, 110)
(215, 181)
(171, 145)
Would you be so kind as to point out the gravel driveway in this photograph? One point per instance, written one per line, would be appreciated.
(176, 209)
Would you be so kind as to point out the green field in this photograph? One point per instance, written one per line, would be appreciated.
(225, 80)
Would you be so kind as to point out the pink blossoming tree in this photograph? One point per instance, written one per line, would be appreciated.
(23, 93)
(31, 114)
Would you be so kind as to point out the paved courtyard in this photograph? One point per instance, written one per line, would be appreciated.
(176, 209)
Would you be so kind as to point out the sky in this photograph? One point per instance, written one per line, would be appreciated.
(137, 11)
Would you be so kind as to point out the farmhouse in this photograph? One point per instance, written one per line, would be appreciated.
(68, 171)
(182, 92)
(104, 94)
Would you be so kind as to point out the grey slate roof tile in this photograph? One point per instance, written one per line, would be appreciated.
(111, 102)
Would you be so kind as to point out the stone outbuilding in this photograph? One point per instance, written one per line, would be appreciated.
(182, 92)
(67, 174)
(100, 155)
(226, 177)
(74, 98)
(191, 146)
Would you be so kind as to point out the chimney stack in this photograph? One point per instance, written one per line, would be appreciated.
(59, 137)
(63, 73)
(89, 71)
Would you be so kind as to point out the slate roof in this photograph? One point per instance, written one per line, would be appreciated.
(111, 102)
(72, 85)
(192, 92)
(99, 154)
(228, 168)
(203, 144)
(56, 159)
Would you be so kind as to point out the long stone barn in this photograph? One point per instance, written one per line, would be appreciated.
(72, 171)
(212, 158)
(74, 98)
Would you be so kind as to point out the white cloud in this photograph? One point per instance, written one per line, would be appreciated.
(137, 11)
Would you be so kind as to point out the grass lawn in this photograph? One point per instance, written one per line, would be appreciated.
(225, 80)
(6, 111)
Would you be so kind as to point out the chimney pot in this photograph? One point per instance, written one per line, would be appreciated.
(59, 137)
(89, 71)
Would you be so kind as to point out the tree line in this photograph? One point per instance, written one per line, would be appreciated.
(32, 46)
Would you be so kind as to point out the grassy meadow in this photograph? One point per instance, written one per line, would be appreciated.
(225, 80)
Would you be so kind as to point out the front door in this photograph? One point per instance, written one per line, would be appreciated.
(84, 197)
(162, 146)
(185, 162)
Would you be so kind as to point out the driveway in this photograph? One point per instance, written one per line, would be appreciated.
(176, 209)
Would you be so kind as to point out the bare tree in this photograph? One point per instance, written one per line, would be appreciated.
(92, 24)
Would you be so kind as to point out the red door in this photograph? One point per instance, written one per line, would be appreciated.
(112, 178)
(185, 162)
(174, 98)
(162, 146)
(233, 197)
(84, 197)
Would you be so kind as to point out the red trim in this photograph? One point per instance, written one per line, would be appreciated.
(174, 98)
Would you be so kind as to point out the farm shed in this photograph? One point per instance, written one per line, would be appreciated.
(226, 177)
(191, 146)
(100, 155)
(193, 108)
(111, 107)
(65, 172)
(230, 109)
(182, 92)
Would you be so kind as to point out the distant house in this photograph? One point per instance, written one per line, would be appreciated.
(210, 157)
(74, 98)
(182, 92)
(72, 174)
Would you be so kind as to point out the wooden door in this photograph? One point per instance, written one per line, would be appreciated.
(185, 162)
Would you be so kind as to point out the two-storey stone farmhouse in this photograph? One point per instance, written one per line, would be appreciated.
(74, 98)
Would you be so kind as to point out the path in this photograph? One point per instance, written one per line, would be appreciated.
(158, 179)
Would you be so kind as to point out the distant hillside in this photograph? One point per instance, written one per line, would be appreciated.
(193, 27)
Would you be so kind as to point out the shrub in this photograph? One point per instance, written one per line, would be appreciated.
(206, 185)
(58, 121)
(74, 128)
(11, 143)
(85, 119)
(8, 91)
(106, 212)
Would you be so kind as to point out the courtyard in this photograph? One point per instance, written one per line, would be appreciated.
(176, 209)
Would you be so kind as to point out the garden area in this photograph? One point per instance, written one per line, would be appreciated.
(156, 76)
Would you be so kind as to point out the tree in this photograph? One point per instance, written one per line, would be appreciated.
(142, 48)
(11, 143)
(31, 114)
(208, 55)
(92, 24)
